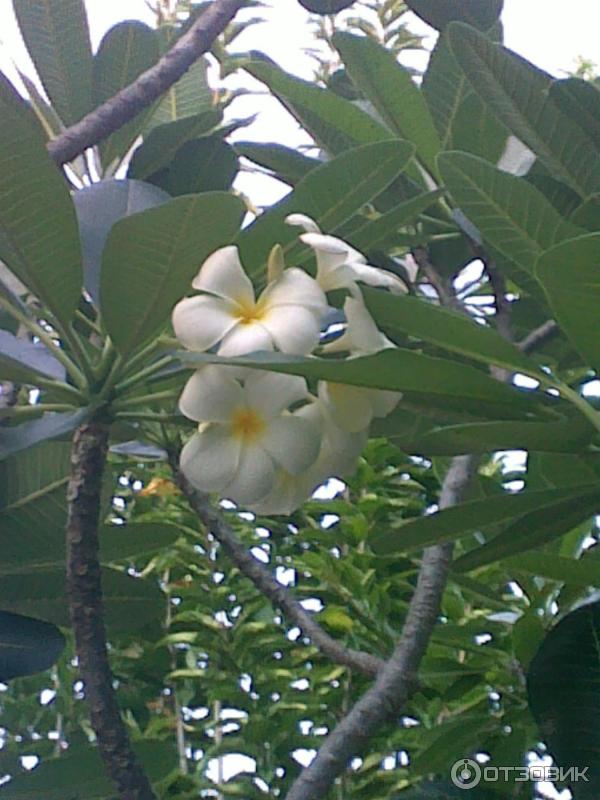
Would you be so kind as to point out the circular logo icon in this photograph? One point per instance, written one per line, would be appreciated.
(465, 773)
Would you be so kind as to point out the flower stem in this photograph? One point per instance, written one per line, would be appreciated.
(122, 387)
(23, 412)
(144, 399)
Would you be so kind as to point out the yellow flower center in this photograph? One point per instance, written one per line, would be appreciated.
(250, 312)
(247, 424)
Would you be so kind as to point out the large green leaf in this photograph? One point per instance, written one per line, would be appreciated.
(163, 141)
(81, 768)
(447, 329)
(445, 88)
(508, 211)
(27, 645)
(58, 40)
(206, 164)
(570, 275)
(581, 572)
(285, 163)
(38, 229)
(335, 124)
(452, 523)
(49, 426)
(130, 603)
(534, 529)
(394, 369)
(126, 50)
(392, 91)
(190, 96)
(517, 92)
(331, 194)
(150, 259)
(23, 361)
(579, 100)
(563, 686)
(439, 13)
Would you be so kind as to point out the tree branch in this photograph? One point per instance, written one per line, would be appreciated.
(539, 336)
(86, 608)
(148, 87)
(397, 679)
(270, 587)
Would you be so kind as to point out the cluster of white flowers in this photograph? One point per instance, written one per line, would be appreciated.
(263, 440)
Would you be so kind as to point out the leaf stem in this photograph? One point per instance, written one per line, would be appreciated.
(34, 409)
(144, 399)
(579, 402)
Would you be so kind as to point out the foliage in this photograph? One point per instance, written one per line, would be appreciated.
(205, 667)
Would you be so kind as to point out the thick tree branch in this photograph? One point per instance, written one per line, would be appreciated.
(271, 588)
(86, 607)
(397, 679)
(148, 87)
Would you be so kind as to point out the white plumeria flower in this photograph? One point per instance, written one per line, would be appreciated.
(354, 407)
(339, 265)
(287, 316)
(338, 457)
(245, 434)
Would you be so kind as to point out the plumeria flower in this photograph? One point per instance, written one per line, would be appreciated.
(246, 434)
(338, 456)
(339, 265)
(353, 407)
(287, 316)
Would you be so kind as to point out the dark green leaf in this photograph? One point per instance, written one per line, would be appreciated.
(285, 163)
(330, 194)
(581, 572)
(439, 13)
(445, 88)
(451, 523)
(58, 40)
(126, 50)
(580, 101)
(517, 93)
(570, 275)
(190, 96)
(207, 164)
(27, 645)
(49, 426)
(375, 232)
(150, 259)
(98, 207)
(163, 141)
(392, 91)
(509, 213)
(38, 228)
(23, 361)
(326, 6)
(563, 683)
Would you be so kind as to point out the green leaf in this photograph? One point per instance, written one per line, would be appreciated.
(570, 276)
(98, 208)
(375, 232)
(81, 768)
(38, 228)
(534, 529)
(49, 426)
(27, 645)
(517, 92)
(58, 40)
(130, 603)
(190, 96)
(325, 6)
(445, 88)
(207, 164)
(580, 101)
(330, 194)
(124, 542)
(23, 361)
(392, 91)
(150, 259)
(510, 213)
(581, 572)
(163, 141)
(439, 13)
(563, 685)
(394, 369)
(126, 50)
(285, 163)
(447, 329)
(452, 523)
(335, 124)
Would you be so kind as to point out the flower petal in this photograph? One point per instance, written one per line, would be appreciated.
(374, 276)
(294, 287)
(303, 221)
(287, 494)
(294, 443)
(271, 393)
(222, 274)
(211, 395)
(362, 336)
(246, 338)
(350, 406)
(210, 459)
(384, 402)
(294, 329)
(254, 477)
(200, 322)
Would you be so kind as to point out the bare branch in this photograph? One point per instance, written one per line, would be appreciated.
(271, 588)
(539, 336)
(86, 608)
(444, 291)
(397, 679)
(148, 87)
